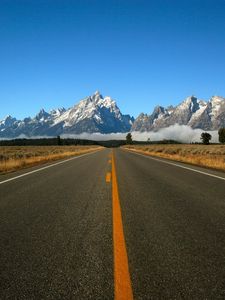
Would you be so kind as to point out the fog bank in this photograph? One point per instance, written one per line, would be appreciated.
(181, 133)
(176, 132)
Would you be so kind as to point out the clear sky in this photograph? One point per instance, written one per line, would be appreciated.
(140, 52)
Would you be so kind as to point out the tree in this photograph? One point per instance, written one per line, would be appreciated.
(129, 138)
(59, 142)
(206, 137)
(221, 133)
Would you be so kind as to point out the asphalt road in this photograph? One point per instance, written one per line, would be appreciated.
(56, 230)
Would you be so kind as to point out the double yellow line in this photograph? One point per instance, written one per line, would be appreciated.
(122, 281)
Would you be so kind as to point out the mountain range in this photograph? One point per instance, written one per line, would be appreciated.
(192, 112)
(101, 114)
(92, 114)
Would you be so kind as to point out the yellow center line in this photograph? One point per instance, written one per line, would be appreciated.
(108, 177)
(122, 282)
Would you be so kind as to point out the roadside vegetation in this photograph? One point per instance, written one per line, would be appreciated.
(211, 156)
(206, 137)
(18, 157)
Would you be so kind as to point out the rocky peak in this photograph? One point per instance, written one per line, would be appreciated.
(158, 110)
(191, 111)
(58, 111)
(7, 121)
(42, 115)
(96, 96)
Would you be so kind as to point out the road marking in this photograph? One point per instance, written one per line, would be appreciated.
(177, 165)
(44, 168)
(122, 282)
(108, 177)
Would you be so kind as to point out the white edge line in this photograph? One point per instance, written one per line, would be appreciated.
(174, 164)
(46, 167)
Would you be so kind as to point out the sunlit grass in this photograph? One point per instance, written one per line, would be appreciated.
(211, 156)
(13, 158)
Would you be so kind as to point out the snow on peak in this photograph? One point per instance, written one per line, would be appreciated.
(8, 117)
(202, 105)
(191, 104)
(57, 112)
(216, 102)
(108, 102)
(217, 98)
(91, 107)
(7, 121)
(42, 115)
(189, 101)
(97, 93)
(42, 112)
(96, 96)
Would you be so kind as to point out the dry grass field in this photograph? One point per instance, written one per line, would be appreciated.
(211, 156)
(13, 158)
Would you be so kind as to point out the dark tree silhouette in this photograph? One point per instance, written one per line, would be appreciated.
(59, 142)
(129, 139)
(206, 137)
(221, 133)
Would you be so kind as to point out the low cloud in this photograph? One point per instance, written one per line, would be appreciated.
(176, 132)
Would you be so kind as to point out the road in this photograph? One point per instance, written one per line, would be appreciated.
(74, 229)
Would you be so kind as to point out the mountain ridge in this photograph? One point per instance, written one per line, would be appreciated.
(192, 112)
(93, 114)
(98, 114)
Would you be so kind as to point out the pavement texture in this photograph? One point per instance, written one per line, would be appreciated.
(56, 233)
(56, 230)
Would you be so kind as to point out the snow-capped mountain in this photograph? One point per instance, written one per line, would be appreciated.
(101, 114)
(92, 114)
(192, 111)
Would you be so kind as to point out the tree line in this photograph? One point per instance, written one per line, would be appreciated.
(58, 141)
(205, 137)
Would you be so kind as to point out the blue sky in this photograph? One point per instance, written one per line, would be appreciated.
(140, 52)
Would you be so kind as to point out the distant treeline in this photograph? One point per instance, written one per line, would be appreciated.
(45, 142)
(60, 142)
(81, 142)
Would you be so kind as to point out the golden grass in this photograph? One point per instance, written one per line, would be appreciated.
(210, 156)
(14, 158)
